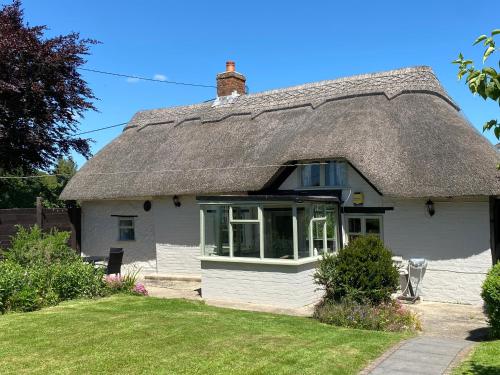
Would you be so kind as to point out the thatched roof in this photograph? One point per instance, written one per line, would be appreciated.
(398, 128)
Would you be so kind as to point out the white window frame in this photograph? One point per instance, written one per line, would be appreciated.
(120, 218)
(260, 222)
(363, 225)
(322, 175)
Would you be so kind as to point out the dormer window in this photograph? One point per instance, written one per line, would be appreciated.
(332, 173)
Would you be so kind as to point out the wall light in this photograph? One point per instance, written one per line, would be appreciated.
(430, 207)
(176, 200)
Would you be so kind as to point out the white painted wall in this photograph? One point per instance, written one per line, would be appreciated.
(455, 241)
(282, 286)
(177, 232)
(100, 232)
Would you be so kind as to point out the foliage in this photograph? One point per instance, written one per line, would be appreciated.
(198, 338)
(485, 81)
(390, 316)
(41, 270)
(42, 94)
(491, 297)
(22, 193)
(125, 284)
(77, 279)
(34, 247)
(362, 271)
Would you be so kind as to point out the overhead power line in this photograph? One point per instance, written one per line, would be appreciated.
(103, 128)
(148, 79)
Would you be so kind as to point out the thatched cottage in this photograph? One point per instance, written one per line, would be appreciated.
(247, 191)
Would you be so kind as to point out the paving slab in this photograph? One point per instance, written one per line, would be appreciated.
(425, 355)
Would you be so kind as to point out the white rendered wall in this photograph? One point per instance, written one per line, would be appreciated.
(455, 241)
(282, 286)
(177, 232)
(100, 232)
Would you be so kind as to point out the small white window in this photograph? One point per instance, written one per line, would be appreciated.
(363, 225)
(126, 229)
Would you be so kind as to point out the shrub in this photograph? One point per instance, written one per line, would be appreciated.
(12, 277)
(362, 271)
(491, 297)
(32, 246)
(390, 316)
(77, 279)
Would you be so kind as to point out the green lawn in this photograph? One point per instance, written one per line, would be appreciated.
(485, 360)
(138, 335)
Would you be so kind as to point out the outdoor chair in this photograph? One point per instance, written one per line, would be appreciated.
(115, 261)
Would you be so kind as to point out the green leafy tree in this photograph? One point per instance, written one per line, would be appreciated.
(485, 81)
(22, 192)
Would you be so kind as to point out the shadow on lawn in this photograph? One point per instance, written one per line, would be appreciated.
(478, 369)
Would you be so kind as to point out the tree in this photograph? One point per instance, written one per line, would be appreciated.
(485, 81)
(22, 192)
(42, 95)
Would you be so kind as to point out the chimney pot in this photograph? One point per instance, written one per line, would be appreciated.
(230, 81)
(230, 66)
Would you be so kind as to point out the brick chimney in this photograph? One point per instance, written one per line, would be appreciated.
(230, 81)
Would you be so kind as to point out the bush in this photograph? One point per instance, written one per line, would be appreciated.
(491, 297)
(77, 280)
(362, 271)
(12, 278)
(34, 247)
(41, 270)
(390, 316)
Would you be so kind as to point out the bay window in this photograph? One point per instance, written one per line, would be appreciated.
(286, 231)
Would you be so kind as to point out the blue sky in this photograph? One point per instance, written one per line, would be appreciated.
(274, 43)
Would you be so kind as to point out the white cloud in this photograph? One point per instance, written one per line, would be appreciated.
(160, 77)
(132, 80)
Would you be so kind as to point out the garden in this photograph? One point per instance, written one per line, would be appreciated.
(77, 330)
(41, 270)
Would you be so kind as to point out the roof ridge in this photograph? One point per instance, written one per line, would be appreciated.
(379, 74)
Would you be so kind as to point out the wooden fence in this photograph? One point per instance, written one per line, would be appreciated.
(64, 219)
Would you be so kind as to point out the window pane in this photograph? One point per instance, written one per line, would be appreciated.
(319, 210)
(331, 229)
(126, 222)
(245, 213)
(311, 175)
(354, 225)
(246, 240)
(372, 225)
(216, 231)
(336, 173)
(303, 218)
(278, 240)
(127, 234)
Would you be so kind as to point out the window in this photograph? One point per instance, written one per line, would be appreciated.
(363, 225)
(270, 230)
(216, 231)
(311, 175)
(328, 174)
(126, 229)
(278, 239)
(335, 173)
